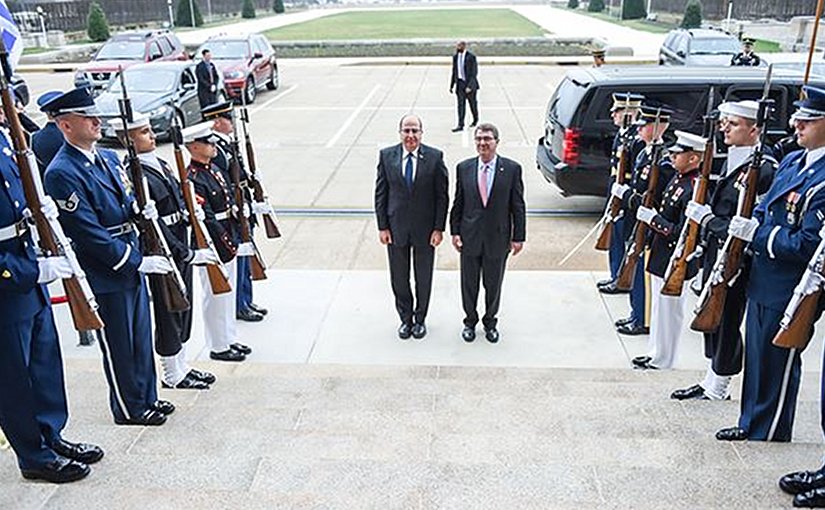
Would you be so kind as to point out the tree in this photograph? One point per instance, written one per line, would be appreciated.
(183, 16)
(248, 11)
(98, 30)
(595, 6)
(278, 6)
(693, 14)
(634, 9)
(572, 4)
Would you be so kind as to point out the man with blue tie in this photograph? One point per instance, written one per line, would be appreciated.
(97, 213)
(411, 201)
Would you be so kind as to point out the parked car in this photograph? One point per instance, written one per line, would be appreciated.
(795, 62)
(125, 50)
(574, 152)
(698, 47)
(160, 90)
(247, 63)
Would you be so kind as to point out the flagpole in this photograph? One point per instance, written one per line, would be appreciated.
(813, 41)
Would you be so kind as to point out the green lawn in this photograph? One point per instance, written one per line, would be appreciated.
(409, 24)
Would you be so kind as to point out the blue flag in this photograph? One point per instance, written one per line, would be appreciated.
(11, 35)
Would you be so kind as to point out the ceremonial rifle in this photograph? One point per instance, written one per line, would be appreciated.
(637, 245)
(217, 273)
(48, 234)
(728, 264)
(152, 241)
(258, 190)
(797, 322)
(686, 249)
(613, 209)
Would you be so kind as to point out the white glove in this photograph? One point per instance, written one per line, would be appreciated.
(199, 214)
(245, 250)
(743, 228)
(150, 212)
(245, 210)
(261, 208)
(618, 190)
(645, 214)
(697, 212)
(813, 283)
(52, 268)
(48, 207)
(213, 88)
(155, 264)
(204, 257)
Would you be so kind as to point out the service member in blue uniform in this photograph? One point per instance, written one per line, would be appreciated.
(47, 141)
(625, 108)
(97, 213)
(650, 131)
(724, 346)
(172, 329)
(33, 410)
(783, 234)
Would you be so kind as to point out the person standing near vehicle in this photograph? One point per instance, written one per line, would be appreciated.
(746, 57)
(208, 79)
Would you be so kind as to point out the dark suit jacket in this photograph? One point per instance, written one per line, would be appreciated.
(411, 216)
(489, 230)
(470, 71)
(207, 75)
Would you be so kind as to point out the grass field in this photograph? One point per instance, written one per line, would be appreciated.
(409, 24)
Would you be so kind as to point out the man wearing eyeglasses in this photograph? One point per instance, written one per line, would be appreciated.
(487, 222)
(411, 208)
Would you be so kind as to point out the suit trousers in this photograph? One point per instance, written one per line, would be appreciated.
(423, 257)
(219, 311)
(667, 314)
(616, 251)
(244, 284)
(172, 329)
(33, 408)
(126, 345)
(491, 272)
(462, 96)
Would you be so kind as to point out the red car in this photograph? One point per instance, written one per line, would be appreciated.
(247, 62)
(126, 49)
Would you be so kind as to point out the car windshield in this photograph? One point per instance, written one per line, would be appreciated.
(122, 50)
(227, 50)
(714, 46)
(147, 80)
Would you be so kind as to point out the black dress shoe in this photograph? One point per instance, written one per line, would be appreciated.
(633, 329)
(468, 334)
(694, 392)
(640, 361)
(419, 331)
(491, 335)
(60, 470)
(82, 452)
(474, 124)
(259, 309)
(612, 289)
(202, 375)
(802, 481)
(249, 316)
(150, 418)
(810, 499)
(603, 283)
(732, 434)
(241, 348)
(645, 366)
(404, 331)
(227, 355)
(624, 322)
(457, 129)
(189, 382)
(164, 406)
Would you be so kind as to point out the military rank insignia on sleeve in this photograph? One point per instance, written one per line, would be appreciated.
(70, 204)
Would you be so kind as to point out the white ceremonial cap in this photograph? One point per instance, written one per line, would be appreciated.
(687, 142)
(139, 120)
(199, 133)
(746, 109)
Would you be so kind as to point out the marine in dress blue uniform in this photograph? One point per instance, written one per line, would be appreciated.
(97, 214)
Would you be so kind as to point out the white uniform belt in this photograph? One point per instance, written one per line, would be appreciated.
(172, 219)
(222, 215)
(13, 231)
(122, 229)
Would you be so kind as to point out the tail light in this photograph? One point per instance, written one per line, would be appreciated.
(570, 146)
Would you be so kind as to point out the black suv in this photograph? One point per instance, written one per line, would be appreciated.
(574, 152)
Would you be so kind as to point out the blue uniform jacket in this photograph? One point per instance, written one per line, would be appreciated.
(92, 200)
(45, 144)
(790, 217)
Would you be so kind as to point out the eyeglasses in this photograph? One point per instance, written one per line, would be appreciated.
(410, 131)
(484, 138)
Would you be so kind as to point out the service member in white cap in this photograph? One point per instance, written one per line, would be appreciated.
(746, 57)
(172, 329)
(667, 312)
(215, 195)
(724, 347)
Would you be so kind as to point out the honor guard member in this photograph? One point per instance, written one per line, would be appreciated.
(625, 107)
(221, 115)
(172, 329)
(598, 57)
(668, 312)
(746, 57)
(33, 409)
(724, 346)
(97, 214)
(631, 195)
(783, 235)
(215, 196)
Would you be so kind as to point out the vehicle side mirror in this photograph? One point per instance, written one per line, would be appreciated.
(681, 53)
(258, 54)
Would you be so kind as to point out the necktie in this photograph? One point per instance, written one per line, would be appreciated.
(482, 185)
(408, 172)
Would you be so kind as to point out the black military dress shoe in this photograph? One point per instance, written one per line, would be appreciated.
(802, 481)
(457, 129)
(810, 499)
(640, 361)
(150, 418)
(227, 355)
(491, 335)
(202, 375)
(404, 331)
(241, 348)
(633, 329)
(164, 406)
(694, 392)
(612, 289)
(419, 331)
(624, 322)
(258, 309)
(732, 434)
(82, 452)
(603, 283)
(468, 334)
(60, 470)
(249, 315)
(189, 382)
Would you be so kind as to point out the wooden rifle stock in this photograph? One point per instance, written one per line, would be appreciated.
(51, 239)
(256, 263)
(614, 206)
(799, 332)
(258, 192)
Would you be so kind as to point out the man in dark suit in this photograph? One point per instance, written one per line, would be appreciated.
(207, 75)
(487, 222)
(411, 208)
(464, 80)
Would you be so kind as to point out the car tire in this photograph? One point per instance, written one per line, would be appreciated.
(274, 79)
(250, 91)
